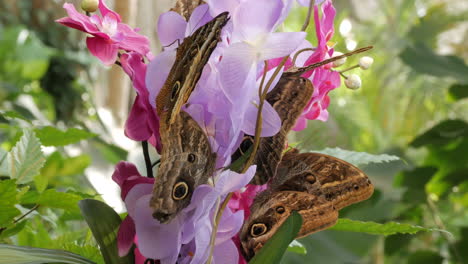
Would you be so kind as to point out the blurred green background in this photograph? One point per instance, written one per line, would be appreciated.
(412, 104)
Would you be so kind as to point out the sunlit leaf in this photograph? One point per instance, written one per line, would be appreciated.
(358, 158)
(423, 60)
(28, 255)
(442, 133)
(374, 228)
(104, 223)
(75, 165)
(61, 200)
(296, 247)
(273, 250)
(8, 200)
(51, 136)
(26, 158)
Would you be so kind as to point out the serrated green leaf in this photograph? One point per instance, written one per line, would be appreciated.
(7, 215)
(7, 193)
(30, 197)
(104, 223)
(442, 133)
(358, 158)
(374, 228)
(12, 229)
(26, 158)
(273, 250)
(40, 182)
(27, 255)
(51, 136)
(3, 162)
(75, 165)
(61, 200)
(296, 247)
(423, 60)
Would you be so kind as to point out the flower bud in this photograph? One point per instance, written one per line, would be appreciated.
(89, 5)
(365, 62)
(353, 82)
(339, 62)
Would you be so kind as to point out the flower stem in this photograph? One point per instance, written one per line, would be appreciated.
(149, 166)
(309, 13)
(349, 68)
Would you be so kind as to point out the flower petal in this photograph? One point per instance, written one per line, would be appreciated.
(125, 236)
(230, 181)
(200, 16)
(157, 73)
(102, 49)
(133, 41)
(226, 251)
(77, 20)
(105, 10)
(171, 27)
(137, 125)
(123, 170)
(271, 122)
(280, 44)
(217, 7)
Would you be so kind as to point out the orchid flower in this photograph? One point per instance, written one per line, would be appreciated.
(109, 34)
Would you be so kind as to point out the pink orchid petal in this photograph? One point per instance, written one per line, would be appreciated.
(171, 27)
(253, 19)
(200, 16)
(125, 236)
(102, 49)
(301, 124)
(136, 126)
(133, 41)
(105, 11)
(123, 170)
(280, 44)
(157, 73)
(77, 20)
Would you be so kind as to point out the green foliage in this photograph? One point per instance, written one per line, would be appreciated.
(373, 228)
(104, 223)
(296, 247)
(24, 255)
(458, 91)
(358, 158)
(26, 158)
(273, 250)
(51, 136)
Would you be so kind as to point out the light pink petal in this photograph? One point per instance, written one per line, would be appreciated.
(123, 170)
(136, 126)
(134, 195)
(125, 236)
(271, 122)
(226, 251)
(171, 27)
(102, 49)
(280, 44)
(328, 18)
(199, 17)
(323, 115)
(132, 41)
(155, 240)
(217, 6)
(301, 124)
(253, 19)
(237, 71)
(105, 10)
(157, 72)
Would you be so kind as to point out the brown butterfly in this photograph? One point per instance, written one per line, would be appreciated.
(186, 7)
(289, 97)
(187, 160)
(313, 184)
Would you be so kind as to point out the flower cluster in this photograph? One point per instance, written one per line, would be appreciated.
(224, 103)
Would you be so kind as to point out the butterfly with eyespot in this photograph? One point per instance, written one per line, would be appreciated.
(289, 97)
(187, 159)
(313, 184)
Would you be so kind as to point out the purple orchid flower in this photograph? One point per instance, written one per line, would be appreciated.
(109, 33)
(190, 231)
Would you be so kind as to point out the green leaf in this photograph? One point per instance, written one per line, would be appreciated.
(3, 162)
(12, 229)
(414, 181)
(104, 223)
(425, 257)
(61, 200)
(458, 91)
(75, 165)
(41, 182)
(27, 255)
(26, 158)
(423, 60)
(442, 133)
(373, 228)
(51, 136)
(273, 250)
(296, 247)
(15, 115)
(111, 153)
(357, 158)
(8, 214)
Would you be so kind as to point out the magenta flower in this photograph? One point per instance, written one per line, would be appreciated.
(109, 33)
(142, 122)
